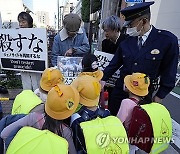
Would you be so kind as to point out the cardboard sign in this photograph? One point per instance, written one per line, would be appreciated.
(23, 49)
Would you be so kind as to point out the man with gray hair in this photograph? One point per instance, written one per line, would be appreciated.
(112, 27)
(112, 31)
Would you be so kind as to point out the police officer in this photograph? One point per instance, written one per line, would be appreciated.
(147, 50)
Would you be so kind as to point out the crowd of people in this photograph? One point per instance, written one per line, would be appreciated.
(147, 58)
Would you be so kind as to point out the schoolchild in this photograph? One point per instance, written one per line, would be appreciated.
(90, 66)
(137, 86)
(62, 101)
(89, 90)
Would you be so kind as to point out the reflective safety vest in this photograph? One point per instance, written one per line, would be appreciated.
(162, 126)
(105, 136)
(30, 140)
(25, 102)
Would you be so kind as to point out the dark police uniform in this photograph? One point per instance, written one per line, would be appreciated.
(158, 57)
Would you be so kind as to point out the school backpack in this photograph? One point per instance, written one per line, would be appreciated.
(105, 136)
(24, 102)
(31, 140)
(83, 116)
(150, 128)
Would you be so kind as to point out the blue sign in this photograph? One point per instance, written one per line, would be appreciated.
(134, 1)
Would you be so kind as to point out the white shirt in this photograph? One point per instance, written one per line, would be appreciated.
(145, 36)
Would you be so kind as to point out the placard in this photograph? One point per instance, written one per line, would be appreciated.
(23, 49)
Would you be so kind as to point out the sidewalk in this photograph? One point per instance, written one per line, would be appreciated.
(170, 150)
(7, 105)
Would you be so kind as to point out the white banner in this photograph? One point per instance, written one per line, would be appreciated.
(70, 67)
(104, 60)
(23, 49)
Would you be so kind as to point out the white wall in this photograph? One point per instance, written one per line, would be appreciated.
(165, 14)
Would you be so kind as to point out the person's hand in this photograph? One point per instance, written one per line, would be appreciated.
(102, 84)
(157, 99)
(69, 52)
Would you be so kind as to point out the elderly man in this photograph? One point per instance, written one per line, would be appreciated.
(71, 40)
(147, 50)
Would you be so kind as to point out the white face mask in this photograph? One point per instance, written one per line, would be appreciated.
(133, 31)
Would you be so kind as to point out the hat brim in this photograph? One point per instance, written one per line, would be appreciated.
(66, 114)
(88, 102)
(126, 23)
(100, 75)
(44, 86)
(132, 89)
(97, 74)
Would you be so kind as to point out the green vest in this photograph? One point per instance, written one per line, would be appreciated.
(162, 126)
(105, 136)
(25, 102)
(29, 140)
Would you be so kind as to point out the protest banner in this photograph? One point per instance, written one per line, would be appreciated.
(70, 67)
(103, 61)
(23, 49)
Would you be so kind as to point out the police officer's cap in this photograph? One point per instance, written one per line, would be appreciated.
(132, 12)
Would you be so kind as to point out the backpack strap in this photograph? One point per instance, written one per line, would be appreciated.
(99, 113)
(85, 115)
(135, 100)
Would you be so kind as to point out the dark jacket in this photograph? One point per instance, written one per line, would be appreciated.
(109, 47)
(157, 57)
(4, 123)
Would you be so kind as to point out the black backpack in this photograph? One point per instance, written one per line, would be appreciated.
(4, 122)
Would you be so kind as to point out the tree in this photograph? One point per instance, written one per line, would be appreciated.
(96, 5)
(85, 10)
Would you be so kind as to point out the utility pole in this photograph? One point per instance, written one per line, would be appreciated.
(90, 25)
(58, 13)
(61, 16)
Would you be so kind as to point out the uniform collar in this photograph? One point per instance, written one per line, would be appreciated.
(63, 33)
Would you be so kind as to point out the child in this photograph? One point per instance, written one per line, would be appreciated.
(89, 89)
(50, 77)
(137, 85)
(90, 66)
(62, 101)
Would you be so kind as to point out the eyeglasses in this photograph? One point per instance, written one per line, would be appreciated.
(133, 23)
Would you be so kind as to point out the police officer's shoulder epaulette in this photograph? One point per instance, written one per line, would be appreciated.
(166, 33)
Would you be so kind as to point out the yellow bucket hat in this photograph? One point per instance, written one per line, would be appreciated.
(89, 90)
(97, 74)
(51, 77)
(62, 101)
(137, 83)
